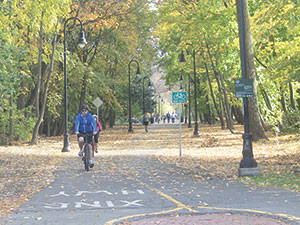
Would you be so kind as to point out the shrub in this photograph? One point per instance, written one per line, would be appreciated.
(291, 121)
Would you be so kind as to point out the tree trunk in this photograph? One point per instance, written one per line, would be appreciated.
(219, 87)
(282, 99)
(83, 91)
(102, 118)
(238, 114)
(209, 116)
(41, 114)
(37, 94)
(265, 96)
(226, 103)
(111, 118)
(292, 96)
(213, 97)
(11, 118)
(48, 132)
(255, 125)
(220, 100)
(21, 96)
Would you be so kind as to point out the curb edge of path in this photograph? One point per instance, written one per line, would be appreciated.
(213, 217)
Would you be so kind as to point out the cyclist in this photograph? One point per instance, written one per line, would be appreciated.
(85, 124)
(99, 129)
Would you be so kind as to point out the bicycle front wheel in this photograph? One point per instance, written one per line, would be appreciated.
(86, 157)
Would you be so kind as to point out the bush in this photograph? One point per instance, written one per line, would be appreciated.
(22, 125)
(291, 121)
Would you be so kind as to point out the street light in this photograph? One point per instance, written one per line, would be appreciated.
(81, 43)
(159, 106)
(129, 92)
(182, 59)
(248, 165)
(189, 90)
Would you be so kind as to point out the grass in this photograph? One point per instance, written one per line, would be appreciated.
(281, 180)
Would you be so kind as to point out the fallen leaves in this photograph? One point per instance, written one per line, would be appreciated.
(215, 153)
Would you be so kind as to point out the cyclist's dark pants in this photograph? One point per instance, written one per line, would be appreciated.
(90, 138)
(96, 137)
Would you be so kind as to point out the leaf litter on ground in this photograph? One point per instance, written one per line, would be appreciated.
(26, 169)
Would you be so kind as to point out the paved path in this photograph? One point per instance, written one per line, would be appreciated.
(140, 189)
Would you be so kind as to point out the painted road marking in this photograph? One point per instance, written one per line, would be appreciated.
(140, 192)
(132, 203)
(125, 192)
(253, 211)
(61, 193)
(79, 193)
(179, 204)
(57, 205)
(109, 204)
(95, 204)
(111, 222)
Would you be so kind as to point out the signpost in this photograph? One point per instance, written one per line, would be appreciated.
(179, 97)
(97, 102)
(244, 88)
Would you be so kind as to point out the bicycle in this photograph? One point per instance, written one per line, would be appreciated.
(86, 146)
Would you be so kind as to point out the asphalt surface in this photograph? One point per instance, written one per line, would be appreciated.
(140, 189)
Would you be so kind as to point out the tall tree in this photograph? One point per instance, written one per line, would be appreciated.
(256, 127)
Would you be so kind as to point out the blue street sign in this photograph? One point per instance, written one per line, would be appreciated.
(179, 97)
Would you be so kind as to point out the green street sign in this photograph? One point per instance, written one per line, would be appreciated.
(179, 97)
(244, 88)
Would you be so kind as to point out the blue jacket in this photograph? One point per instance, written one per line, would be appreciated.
(85, 125)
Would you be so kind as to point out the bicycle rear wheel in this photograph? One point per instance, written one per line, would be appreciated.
(86, 157)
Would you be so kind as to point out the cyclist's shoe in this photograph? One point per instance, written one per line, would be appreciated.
(91, 164)
(80, 152)
(96, 151)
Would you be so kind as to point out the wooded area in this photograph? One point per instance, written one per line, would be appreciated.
(154, 33)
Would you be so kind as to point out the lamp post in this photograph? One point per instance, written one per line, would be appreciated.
(248, 165)
(182, 59)
(159, 106)
(129, 92)
(189, 91)
(81, 43)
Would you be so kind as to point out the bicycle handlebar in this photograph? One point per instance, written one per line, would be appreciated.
(87, 134)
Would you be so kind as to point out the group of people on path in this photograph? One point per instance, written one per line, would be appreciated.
(169, 117)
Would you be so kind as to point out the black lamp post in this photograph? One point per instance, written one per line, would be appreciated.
(196, 130)
(248, 162)
(129, 92)
(159, 106)
(149, 85)
(182, 59)
(81, 43)
(189, 91)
